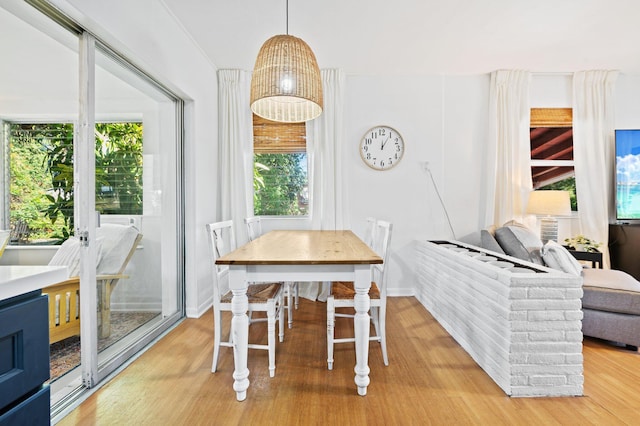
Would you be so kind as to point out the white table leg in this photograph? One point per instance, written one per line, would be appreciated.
(240, 329)
(361, 326)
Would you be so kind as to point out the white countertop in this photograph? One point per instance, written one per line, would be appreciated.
(20, 279)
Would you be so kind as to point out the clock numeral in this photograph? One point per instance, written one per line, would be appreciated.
(382, 163)
(382, 132)
(368, 156)
(368, 141)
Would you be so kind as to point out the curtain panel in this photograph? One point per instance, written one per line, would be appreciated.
(325, 137)
(593, 148)
(327, 186)
(235, 150)
(508, 172)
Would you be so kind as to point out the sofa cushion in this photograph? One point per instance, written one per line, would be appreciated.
(557, 257)
(518, 241)
(610, 290)
(610, 278)
(489, 242)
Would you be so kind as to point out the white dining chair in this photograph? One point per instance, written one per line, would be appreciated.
(370, 227)
(263, 297)
(343, 293)
(254, 230)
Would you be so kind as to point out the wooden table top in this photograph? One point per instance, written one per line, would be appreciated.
(302, 247)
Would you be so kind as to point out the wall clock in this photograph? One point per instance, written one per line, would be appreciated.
(381, 148)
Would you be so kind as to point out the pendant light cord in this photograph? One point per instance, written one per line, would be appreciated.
(287, 2)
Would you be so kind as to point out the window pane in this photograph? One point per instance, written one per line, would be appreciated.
(280, 185)
(41, 185)
(41, 164)
(568, 184)
(119, 168)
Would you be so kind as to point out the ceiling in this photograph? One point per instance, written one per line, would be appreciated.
(416, 37)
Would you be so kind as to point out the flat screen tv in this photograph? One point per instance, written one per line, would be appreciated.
(627, 175)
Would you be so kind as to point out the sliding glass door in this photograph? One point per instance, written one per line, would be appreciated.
(137, 194)
(91, 178)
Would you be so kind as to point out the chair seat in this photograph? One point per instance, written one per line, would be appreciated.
(346, 290)
(257, 293)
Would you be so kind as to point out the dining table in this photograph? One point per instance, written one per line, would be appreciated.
(300, 255)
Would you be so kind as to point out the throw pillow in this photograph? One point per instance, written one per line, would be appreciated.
(519, 241)
(116, 244)
(488, 241)
(558, 257)
(68, 255)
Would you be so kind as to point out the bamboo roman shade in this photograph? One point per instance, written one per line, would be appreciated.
(551, 117)
(271, 137)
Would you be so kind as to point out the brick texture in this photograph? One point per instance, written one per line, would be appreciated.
(523, 329)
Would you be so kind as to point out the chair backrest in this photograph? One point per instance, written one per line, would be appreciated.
(381, 243)
(370, 228)
(254, 227)
(222, 240)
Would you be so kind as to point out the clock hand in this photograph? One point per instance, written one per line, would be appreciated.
(384, 143)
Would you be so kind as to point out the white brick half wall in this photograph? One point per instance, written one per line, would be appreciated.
(523, 329)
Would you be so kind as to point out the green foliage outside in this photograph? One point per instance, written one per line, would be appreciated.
(280, 183)
(41, 168)
(568, 184)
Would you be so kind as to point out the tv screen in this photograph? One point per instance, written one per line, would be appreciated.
(627, 174)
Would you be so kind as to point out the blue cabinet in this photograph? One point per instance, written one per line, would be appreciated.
(24, 360)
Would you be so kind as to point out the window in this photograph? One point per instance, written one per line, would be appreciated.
(280, 178)
(551, 136)
(41, 168)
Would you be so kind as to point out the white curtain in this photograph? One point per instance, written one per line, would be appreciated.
(235, 150)
(593, 150)
(324, 145)
(325, 138)
(508, 174)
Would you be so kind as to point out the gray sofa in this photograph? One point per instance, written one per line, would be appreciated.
(611, 300)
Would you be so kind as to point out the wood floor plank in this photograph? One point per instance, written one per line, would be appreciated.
(430, 380)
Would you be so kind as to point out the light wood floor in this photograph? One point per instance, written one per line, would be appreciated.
(430, 380)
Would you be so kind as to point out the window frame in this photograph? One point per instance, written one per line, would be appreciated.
(551, 118)
(270, 137)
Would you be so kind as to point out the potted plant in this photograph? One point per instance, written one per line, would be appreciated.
(582, 243)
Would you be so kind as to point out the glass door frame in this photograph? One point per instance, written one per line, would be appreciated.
(93, 371)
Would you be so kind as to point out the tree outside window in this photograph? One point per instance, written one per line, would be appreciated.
(280, 169)
(41, 169)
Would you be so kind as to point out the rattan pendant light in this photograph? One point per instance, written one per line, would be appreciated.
(286, 85)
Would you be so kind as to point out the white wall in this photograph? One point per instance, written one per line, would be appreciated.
(443, 121)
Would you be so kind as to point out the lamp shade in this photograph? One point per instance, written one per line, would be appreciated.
(549, 203)
(286, 85)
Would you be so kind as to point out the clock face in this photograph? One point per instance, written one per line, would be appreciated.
(381, 148)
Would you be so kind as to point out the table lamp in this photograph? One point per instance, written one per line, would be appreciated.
(548, 205)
